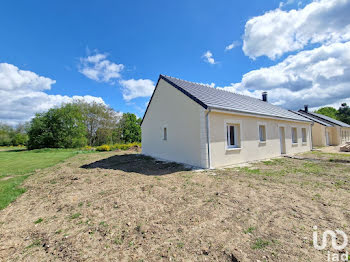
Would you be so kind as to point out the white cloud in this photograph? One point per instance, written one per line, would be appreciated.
(208, 57)
(336, 105)
(278, 31)
(22, 94)
(136, 88)
(232, 45)
(97, 67)
(316, 77)
(288, 2)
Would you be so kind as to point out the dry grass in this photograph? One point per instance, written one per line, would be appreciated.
(126, 207)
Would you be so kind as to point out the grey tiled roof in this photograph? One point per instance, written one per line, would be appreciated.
(225, 100)
(308, 116)
(329, 119)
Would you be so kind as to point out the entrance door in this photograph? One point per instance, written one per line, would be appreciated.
(282, 140)
(327, 138)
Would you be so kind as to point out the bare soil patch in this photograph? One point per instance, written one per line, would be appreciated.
(118, 206)
(332, 149)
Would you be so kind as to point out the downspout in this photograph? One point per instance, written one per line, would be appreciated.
(208, 136)
(312, 145)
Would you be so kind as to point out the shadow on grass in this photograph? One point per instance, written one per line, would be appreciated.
(138, 164)
(14, 150)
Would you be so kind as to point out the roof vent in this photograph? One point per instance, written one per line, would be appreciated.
(264, 96)
(306, 108)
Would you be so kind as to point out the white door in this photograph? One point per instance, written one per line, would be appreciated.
(282, 140)
(327, 138)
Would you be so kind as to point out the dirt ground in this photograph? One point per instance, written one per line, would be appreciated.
(119, 206)
(332, 149)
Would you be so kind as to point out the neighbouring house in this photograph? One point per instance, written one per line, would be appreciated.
(209, 127)
(326, 131)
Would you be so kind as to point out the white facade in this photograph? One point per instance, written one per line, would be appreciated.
(175, 128)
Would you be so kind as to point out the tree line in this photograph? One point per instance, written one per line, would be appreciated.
(13, 136)
(342, 114)
(73, 125)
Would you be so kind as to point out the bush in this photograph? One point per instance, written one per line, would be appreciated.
(125, 146)
(103, 148)
(89, 148)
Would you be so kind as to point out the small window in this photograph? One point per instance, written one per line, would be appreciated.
(303, 133)
(233, 136)
(294, 135)
(262, 133)
(165, 133)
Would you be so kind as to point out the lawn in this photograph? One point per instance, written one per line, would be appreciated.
(121, 206)
(17, 163)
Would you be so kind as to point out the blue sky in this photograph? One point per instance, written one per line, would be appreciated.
(139, 40)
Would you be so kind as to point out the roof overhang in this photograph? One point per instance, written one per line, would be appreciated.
(253, 114)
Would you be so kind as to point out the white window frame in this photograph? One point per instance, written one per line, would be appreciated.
(265, 127)
(302, 135)
(238, 143)
(291, 130)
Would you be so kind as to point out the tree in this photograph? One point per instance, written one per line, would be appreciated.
(343, 113)
(62, 127)
(328, 111)
(129, 128)
(5, 135)
(13, 136)
(100, 121)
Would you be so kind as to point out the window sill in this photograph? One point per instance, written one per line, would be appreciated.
(233, 148)
(294, 144)
(262, 142)
(304, 144)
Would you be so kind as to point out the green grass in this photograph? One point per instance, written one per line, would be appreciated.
(16, 164)
(74, 216)
(38, 221)
(249, 230)
(260, 243)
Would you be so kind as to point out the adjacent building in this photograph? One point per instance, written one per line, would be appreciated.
(326, 131)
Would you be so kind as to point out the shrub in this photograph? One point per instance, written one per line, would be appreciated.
(89, 148)
(103, 148)
(125, 146)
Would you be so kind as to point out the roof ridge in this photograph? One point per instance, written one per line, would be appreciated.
(216, 88)
(201, 84)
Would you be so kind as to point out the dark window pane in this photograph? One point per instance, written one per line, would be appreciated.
(232, 135)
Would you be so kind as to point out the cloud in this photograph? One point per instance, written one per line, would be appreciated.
(232, 45)
(132, 88)
(23, 95)
(208, 57)
(316, 77)
(288, 2)
(97, 67)
(278, 32)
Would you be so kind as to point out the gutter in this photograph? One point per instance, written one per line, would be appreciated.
(208, 136)
(253, 114)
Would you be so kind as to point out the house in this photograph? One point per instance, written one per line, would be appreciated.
(326, 131)
(208, 127)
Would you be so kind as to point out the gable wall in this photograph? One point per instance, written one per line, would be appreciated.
(185, 122)
(319, 134)
(251, 148)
